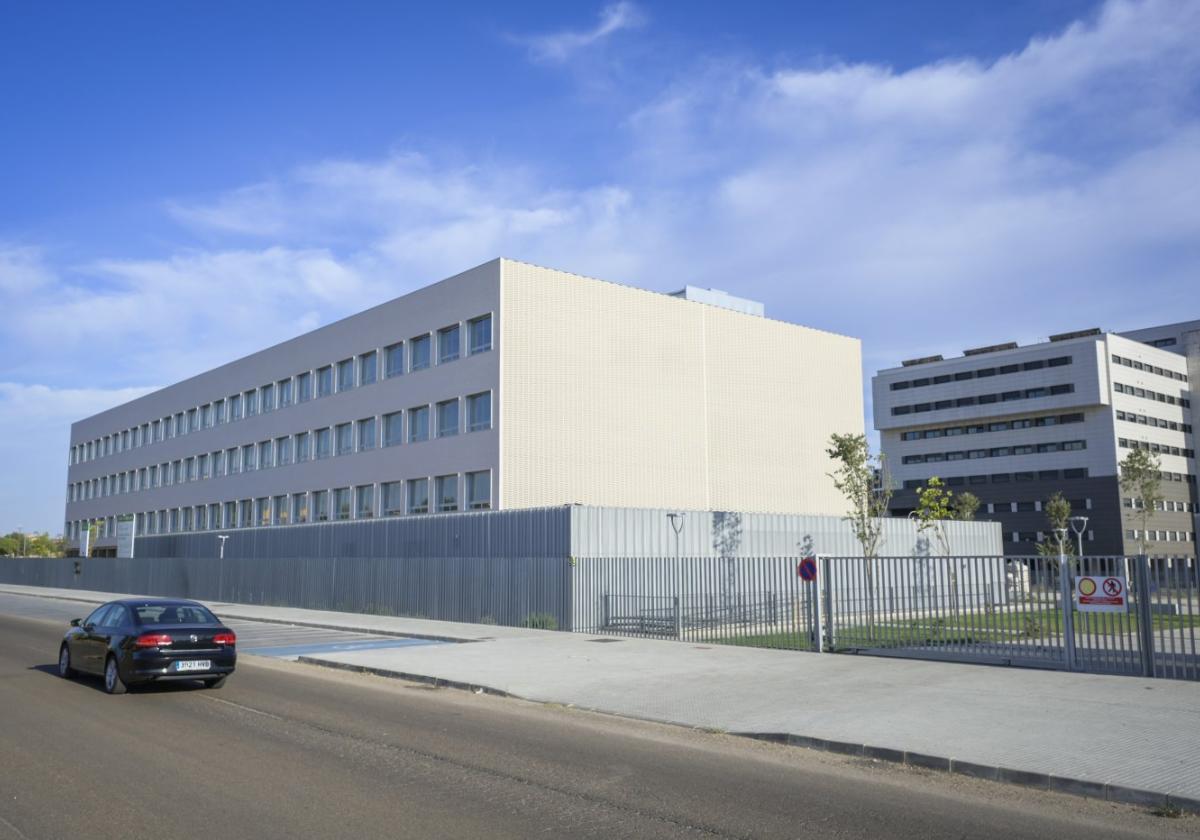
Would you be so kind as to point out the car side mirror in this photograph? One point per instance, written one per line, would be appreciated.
(75, 622)
(89, 627)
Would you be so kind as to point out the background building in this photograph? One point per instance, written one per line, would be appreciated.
(506, 386)
(1016, 424)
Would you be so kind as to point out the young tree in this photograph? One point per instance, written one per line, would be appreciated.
(1140, 477)
(933, 509)
(965, 505)
(854, 477)
(1058, 515)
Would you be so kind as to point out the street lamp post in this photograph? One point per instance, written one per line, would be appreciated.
(1066, 590)
(222, 538)
(677, 526)
(1078, 525)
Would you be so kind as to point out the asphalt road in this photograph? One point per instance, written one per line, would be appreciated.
(291, 751)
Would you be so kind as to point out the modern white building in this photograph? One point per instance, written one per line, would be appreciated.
(506, 386)
(1015, 424)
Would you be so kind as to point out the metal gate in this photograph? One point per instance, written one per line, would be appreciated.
(1021, 611)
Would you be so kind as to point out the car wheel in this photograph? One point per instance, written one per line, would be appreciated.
(215, 682)
(64, 662)
(112, 677)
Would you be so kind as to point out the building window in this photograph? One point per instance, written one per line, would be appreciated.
(250, 398)
(368, 368)
(193, 424)
(303, 387)
(320, 505)
(248, 457)
(283, 451)
(366, 434)
(364, 501)
(281, 510)
(446, 492)
(479, 490)
(418, 495)
(246, 513)
(284, 386)
(418, 358)
(393, 360)
(479, 411)
(324, 443)
(235, 409)
(447, 418)
(324, 381)
(418, 424)
(218, 416)
(393, 498)
(299, 507)
(393, 434)
(345, 438)
(479, 334)
(448, 344)
(262, 510)
(266, 455)
(266, 396)
(230, 520)
(302, 447)
(345, 375)
(341, 502)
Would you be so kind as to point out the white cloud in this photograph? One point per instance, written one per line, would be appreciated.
(561, 46)
(34, 435)
(949, 205)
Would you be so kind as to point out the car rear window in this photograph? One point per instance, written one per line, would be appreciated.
(173, 614)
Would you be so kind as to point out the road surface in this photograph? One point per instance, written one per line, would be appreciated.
(293, 751)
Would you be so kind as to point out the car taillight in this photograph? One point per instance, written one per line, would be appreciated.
(152, 640)
(225, 638)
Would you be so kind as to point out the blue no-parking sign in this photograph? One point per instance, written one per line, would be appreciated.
(807, 569)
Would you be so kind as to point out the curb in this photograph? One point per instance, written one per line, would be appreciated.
(429, 637)
(994, 773)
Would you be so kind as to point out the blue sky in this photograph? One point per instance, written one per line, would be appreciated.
(185, 183)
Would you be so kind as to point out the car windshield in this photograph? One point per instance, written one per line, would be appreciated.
(173, 614)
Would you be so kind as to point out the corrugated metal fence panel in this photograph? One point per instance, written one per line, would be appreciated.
(512, 591)
(641, 532)
(537, 532)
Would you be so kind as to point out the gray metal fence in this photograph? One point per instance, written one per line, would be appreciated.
(508, 591)
(1017, 611)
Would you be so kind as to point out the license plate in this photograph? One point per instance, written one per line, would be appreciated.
(193, 665)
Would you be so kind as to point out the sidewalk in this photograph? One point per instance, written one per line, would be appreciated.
(1121, 738)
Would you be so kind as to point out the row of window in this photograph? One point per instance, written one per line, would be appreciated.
(1165, 506)
(1161, 536)
(985, 399)
(415, 354)
(1042, 536)
(1034, 507)
(450, 493)
(981, 373)
(996, 452)
(997, 426)
(1144, 420)
(342, 439)
(1161, 448)
(1151, 395)
(1001, 478)
(1157, 371)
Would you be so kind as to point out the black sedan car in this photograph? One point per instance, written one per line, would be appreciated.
(145, 640)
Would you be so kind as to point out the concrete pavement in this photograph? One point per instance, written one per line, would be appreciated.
(1122, 738)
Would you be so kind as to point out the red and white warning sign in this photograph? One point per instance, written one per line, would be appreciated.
(1100, 594)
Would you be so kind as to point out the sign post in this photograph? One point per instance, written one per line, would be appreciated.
(126, 534)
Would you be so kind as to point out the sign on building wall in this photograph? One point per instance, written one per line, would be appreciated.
(126, 535)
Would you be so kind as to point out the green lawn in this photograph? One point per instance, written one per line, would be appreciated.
(967, 628)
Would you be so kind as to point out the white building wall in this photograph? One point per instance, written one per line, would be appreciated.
(640, 399)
